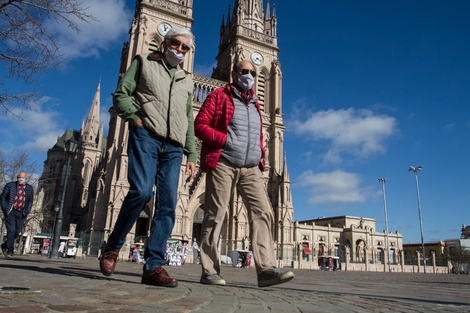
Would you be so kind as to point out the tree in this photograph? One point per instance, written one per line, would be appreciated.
(460, 259)
(27, 47)
(14, 162)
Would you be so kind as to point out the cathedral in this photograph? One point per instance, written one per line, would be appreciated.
(97, 183)
(84, 180)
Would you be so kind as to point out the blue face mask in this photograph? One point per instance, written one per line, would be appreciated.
(21, 181)
(246, 81)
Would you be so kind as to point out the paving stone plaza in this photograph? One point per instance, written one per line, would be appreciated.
(34, 283)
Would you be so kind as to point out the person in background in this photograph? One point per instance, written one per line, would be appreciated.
(229, 125)
(155, 97)
(62, 249)
(16, 201)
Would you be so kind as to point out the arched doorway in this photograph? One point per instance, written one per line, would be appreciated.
(197, 224)
(360, 251)
(142, 225)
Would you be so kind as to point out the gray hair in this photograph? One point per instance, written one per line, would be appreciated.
(180, 31)
(237, 66)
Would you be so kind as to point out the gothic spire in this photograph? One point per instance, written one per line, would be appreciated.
(268, 13)
(249, 13)
(222, 25)
(91, 127)
(285, 172)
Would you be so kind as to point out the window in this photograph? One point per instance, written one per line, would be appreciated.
(380, 256)
(391, 256)
(336, 250)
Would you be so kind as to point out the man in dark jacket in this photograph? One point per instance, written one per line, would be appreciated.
(229, 125)
(16, 201)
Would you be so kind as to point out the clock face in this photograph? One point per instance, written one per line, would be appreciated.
(163, 28)
(257, 58)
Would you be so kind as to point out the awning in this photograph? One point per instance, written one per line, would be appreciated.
(307, 250)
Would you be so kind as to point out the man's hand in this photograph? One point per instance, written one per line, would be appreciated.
(190, 170)
(138, 122)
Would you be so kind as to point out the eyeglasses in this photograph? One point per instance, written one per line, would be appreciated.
(175, 43)
(245, 71)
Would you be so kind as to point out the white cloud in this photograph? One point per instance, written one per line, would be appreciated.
(450, 126)
(349, 131)
(111, 23)
(36, 131)
(334, 187)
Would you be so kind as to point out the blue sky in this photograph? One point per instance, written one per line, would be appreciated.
(369, 89)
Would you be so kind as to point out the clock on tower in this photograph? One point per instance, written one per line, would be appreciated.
(257, 58)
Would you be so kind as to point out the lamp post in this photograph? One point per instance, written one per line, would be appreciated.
(416, 170)
(70, 146)
(383, 181)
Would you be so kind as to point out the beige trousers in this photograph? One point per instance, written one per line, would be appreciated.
(220, 186)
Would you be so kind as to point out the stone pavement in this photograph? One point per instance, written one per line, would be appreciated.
(34, 283)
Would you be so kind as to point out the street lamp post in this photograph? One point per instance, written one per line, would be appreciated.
(70, 146)
(383, 181)
(416, 170)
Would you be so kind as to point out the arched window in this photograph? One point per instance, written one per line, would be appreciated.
(86, 168)
(261, 89)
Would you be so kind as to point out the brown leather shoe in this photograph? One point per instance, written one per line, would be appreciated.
(108, 262)
(158, 277)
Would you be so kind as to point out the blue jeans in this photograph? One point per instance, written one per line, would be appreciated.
(152, 161)
(14, 222)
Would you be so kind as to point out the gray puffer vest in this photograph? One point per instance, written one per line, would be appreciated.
(242, 148)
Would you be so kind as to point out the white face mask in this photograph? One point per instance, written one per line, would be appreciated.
(21, 181)
(173, 56)
(246, 81)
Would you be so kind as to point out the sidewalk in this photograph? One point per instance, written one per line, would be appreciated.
(34, 283)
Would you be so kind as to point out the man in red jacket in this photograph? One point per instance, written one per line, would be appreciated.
(230, 126)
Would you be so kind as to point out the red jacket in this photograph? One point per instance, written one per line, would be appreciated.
(211, 125)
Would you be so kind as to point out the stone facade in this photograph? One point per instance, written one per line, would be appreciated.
(348, 239)
(69, 178)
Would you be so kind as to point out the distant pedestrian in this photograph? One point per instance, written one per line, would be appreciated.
(16, 202)
(62, 249)
(195, 251)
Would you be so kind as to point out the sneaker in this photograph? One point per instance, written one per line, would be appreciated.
(214, 279)
(273, 276)
(9, 254)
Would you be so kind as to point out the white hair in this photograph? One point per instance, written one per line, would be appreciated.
(180, 31)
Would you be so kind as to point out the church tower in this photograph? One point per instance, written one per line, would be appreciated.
(90, 153)
(70, 172)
